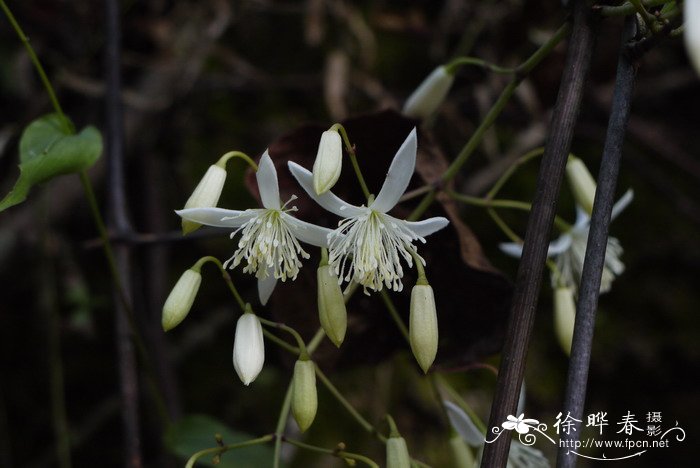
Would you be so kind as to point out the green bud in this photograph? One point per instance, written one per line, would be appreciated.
(461, 454)
(206, 194)
(581, 182)
(423, 325)
(564, 317)
(329, 161)
(331, 305)
(304, 399)
(181, 298)
(397, 453)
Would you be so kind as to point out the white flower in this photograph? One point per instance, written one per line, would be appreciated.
(270, 236)
(581, 182)
(691, 15)
(520, 456)
(329, 161)
(430, 94)
(368, 245)
(570, 249)
(248, 348)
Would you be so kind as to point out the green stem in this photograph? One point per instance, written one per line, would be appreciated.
(225, 448)
(537, 152)
(562, 225)
(236, 154)
(281, 422)
(336, 453)
(226, 276)
(504, 227)
(456, 63)
(353, 158)
(475, 140)
(303, 353)
(67, 125)
(280, 342)
(347, 405)
(394, 314)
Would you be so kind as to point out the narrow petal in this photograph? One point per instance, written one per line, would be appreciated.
(559, 245)
(511, 248)
(218, 217)
(427, 226)
(464, 425)
(399, 174)
(266, 286)
(583, 219)
(307, 232)
(328, 200)
(622, 203)
(267, 183)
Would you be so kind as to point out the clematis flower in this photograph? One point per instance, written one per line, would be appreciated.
(270, 236)
(570, 249)
(368, 245)
(520, 456)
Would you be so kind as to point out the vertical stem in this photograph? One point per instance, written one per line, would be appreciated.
(531, 267)
(119, 222)
(594, 260)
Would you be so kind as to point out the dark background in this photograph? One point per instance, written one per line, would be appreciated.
(205, 77)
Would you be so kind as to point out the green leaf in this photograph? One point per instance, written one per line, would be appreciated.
(196, 432)
(47, 150)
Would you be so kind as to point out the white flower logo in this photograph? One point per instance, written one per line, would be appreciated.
(520, 424)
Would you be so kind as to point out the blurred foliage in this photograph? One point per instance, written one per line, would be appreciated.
(205, 77)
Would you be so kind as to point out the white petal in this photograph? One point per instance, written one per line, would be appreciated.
(399, 175)
(267, 182)
(248, 348)
(427, 226)
(307, 232)
(521, 399)
(463, 424)
(327, 200)
(691, 16)
(583, 219)
(559, 245)
(511, 248)
(266, 286)
(622, 203)
(218, 217)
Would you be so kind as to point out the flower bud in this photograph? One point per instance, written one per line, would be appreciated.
(564, 317)
(205, 195)
(581, 182)
(304, 399)
(331, 305)
(423, 326)
(461, 454)
(397, 453)
(429, 95)
(329, 161)
(691, 17)
(180, 299)
(248, 348)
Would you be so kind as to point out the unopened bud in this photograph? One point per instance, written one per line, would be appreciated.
(206, 194)
(304, 399)
(581, 182)
(397, 453)
(329, 161)
(180, 299)
(691, 17)
(248, 348)
(423, 325)
(331, 306)
(564, 317)
(430, 94)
